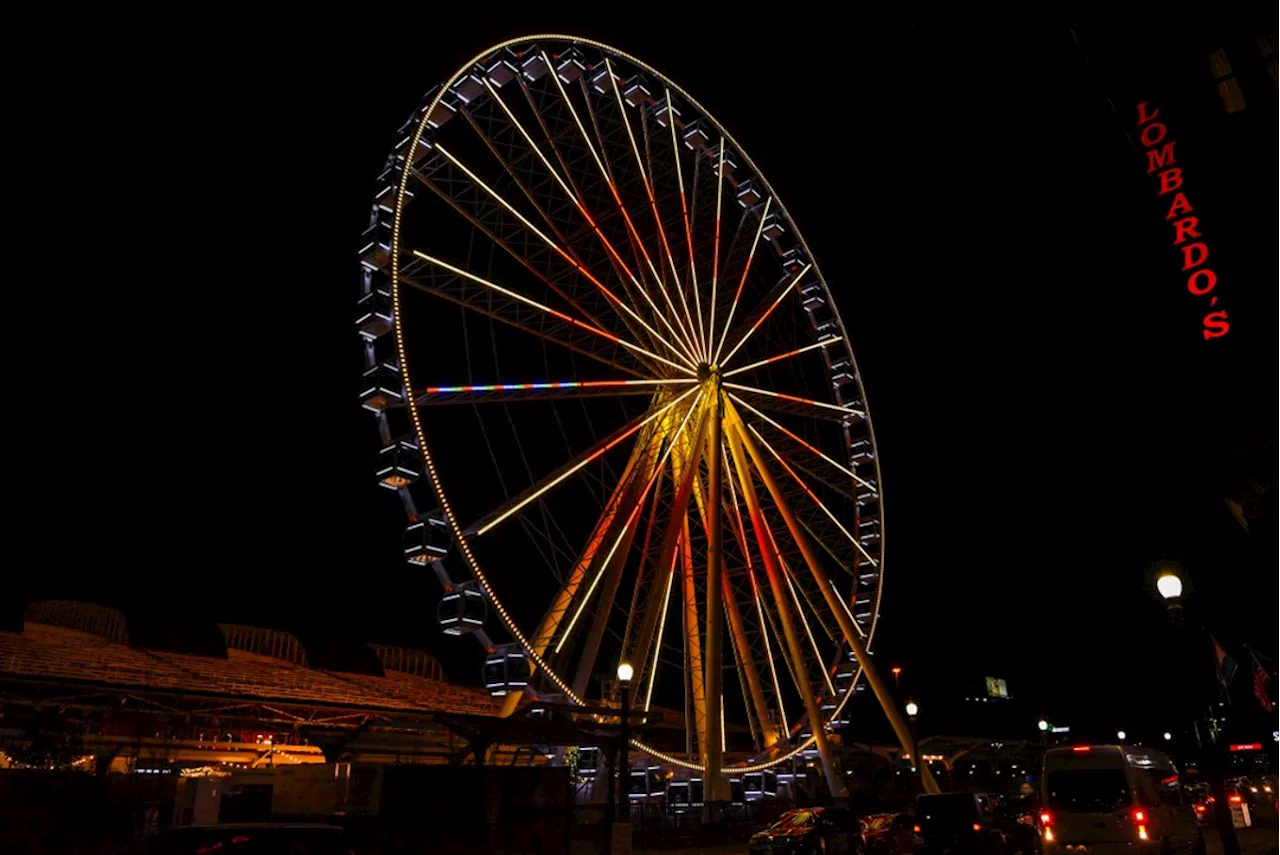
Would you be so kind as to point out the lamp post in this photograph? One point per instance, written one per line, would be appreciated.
(1043, 725)
(622, 831)
(1169, 586)
(913, 710)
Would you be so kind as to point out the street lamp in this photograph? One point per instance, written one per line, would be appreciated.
(625, 673)
(1121, 735)
(913, 710)
(1169, 586)
(1167, 736)
(1043, 725)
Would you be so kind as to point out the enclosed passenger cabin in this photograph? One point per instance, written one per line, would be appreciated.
(399, 464)
(374, 316)
(382, 387)
(427, 540)
(506, 670)
(463, 609)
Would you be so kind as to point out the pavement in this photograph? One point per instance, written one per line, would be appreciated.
(1253, 841)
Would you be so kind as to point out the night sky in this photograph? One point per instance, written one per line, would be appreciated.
(1050, 421)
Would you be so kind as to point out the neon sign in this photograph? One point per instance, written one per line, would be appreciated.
(1161, 162)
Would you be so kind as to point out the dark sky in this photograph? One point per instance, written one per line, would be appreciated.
(1050, 421)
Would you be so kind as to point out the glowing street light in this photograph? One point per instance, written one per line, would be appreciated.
(1043, 725)
(913, 709)
(626, 672)
(1169, 585)
(1121, 735)
(1167, 736)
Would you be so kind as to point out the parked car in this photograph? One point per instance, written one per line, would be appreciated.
(958, 823)
(268, 838)
(889, 834)
(829, 830)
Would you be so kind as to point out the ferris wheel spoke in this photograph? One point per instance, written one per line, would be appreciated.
(826, 342)
(489, 230)
(479, 280)
(556, 248)
(571, 192)
(541, 391)
(547, 219)
(687, 214)
(627, 526)
(812, 496)
(746, 268)
(715, 255)
(638, 244)
(513, 506)
(604, 172)
(653, 204)
(675, 149)
(555, 329)
(805, 444)
(848, 412)
(667, 554)
(739, 449)
(791, 283)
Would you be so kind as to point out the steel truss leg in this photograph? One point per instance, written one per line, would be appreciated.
(834, 602)
(782, 602)
(564, 598)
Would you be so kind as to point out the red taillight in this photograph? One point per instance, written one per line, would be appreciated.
(1081, 749)
(1139, 815)
(977, 826)
(1046, 818)
(1235, 800)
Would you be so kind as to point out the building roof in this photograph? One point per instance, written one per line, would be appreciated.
(63, 655)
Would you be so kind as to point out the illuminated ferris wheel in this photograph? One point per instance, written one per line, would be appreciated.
(620, 407)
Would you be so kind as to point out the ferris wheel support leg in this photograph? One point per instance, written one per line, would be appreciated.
(613, 576)
(717, 785)
(639, 653)
(564, 597)
(755, 688)
(837, 606)
(780, 599)
(693, 646)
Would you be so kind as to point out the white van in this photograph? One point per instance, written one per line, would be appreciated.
(1114, 799)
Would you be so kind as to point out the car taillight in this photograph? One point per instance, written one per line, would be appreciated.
(977, 826)
(1140, 819)
(1235, 800)
(1046, 818)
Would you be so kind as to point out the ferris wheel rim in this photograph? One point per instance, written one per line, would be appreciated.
(461, 537)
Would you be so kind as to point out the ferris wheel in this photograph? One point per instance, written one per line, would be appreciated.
(620, 408)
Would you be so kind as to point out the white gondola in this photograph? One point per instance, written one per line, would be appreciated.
(374, 316)
(462, 609)
(381, 387)
(749, 194)
(506, 670)
(571, 65)
(468, 89)
(399, 464)
(427, 540)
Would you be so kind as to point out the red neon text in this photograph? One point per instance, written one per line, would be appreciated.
(1161, 161)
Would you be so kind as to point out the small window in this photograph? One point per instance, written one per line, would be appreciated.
(1167, 787)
